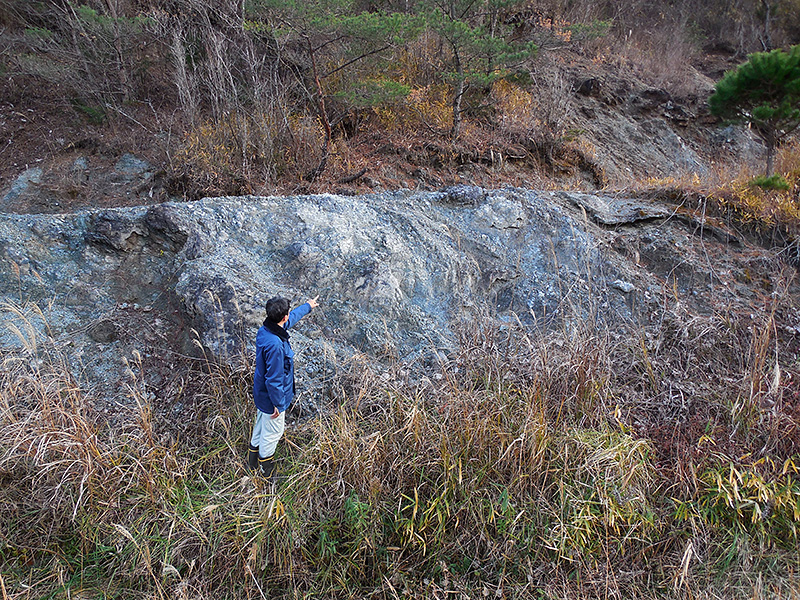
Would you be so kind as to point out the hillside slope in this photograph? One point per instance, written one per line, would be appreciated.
(582, 123)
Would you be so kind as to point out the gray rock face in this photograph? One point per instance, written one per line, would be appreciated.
(394, 271)
(617, 211)
(21, 184)
(639, 132)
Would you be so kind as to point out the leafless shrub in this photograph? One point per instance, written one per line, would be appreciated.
(662, 56)
(100, 56)
(187, 88)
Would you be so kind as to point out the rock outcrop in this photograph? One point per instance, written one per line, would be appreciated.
(395, 272)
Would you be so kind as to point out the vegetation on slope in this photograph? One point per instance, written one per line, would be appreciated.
(252, 96)
(663, 462)
(765, 93)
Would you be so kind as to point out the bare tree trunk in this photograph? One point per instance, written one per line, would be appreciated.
(770, 157)
(323, 115)
(240, 13)
(75, 32)
(493, 18)
(184, 80)
(766, 41)
(113, 12)
(458, 94)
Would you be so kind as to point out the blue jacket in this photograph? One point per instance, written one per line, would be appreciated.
(273, 383)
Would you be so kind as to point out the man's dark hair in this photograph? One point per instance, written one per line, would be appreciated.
(277, 308)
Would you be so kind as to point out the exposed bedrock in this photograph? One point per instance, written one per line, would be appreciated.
(395, 272)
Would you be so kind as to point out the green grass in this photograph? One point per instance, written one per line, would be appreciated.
(96, 115)
(772, 182)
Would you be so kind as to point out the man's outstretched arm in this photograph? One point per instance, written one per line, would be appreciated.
(301, 311)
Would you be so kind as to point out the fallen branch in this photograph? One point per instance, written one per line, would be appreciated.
(352, 178)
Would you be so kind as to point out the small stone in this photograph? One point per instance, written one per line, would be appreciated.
(81, 164)
(103, 331)
(623, 286)
(130, 165)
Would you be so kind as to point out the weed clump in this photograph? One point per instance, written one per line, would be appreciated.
(773, 182)
(529, 465)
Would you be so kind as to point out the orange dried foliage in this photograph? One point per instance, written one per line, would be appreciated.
(558, 27)
(243, 153)
(514, 106)
(765, 209)
(420, 64)
(427, 106)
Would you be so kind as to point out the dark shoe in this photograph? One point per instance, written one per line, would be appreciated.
(252, 457)
(266, 466)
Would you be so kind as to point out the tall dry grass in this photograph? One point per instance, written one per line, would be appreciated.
(772, 216)
(523, 465)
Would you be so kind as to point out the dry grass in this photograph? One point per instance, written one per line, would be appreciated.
(523, 466)
(729, 196)
(772, 215)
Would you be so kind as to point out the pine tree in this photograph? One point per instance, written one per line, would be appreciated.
(481, 50)
(764, 92)
(334, 35)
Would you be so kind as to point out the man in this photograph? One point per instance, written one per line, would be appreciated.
(273, 383)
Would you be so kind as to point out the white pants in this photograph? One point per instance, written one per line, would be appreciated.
(267, 432)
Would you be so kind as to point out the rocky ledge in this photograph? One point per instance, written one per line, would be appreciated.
(396, 273)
